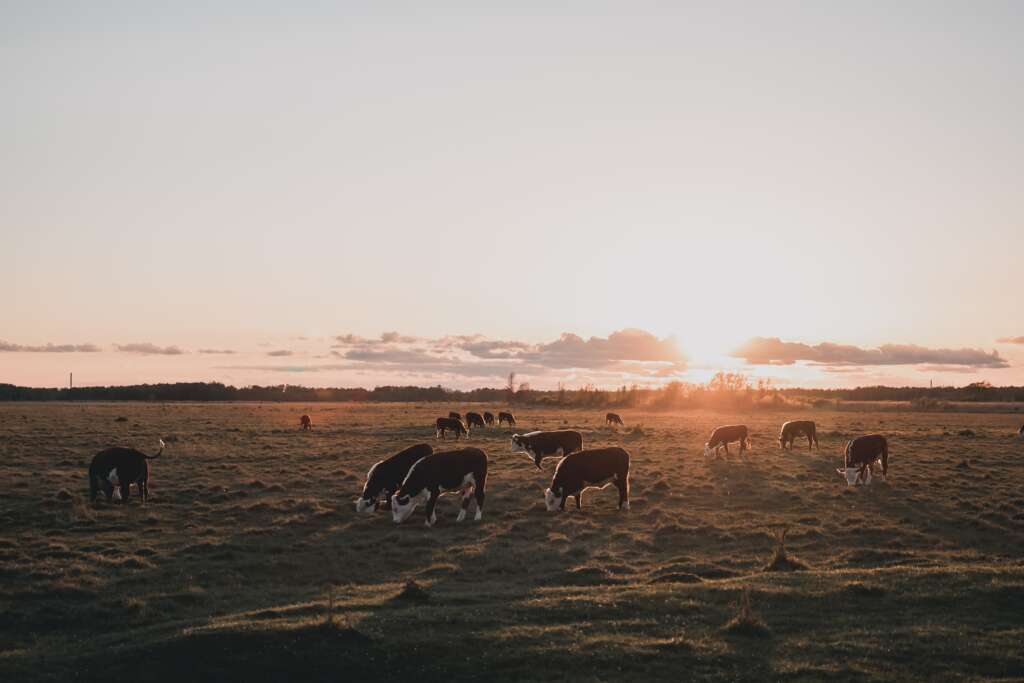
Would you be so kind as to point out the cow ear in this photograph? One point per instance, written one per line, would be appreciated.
(842, 472)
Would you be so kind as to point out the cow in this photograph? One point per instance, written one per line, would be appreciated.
(123, 466)
(446, 424)
(463, 470)
(305, 423)
(474, 420)
(540, 445)
(596, 468)
(612, 419)
(1020, 433)
(861, 455)
(489, 419)
(723, 436)
(386, 476)
(794, 428)
(455, 416)
(507, 417)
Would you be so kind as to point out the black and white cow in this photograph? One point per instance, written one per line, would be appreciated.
(474, 420)
(582, 470)
(114, 470)
(540, 445)
(794, 428)
(861, 455)
(612, 419)
(723, 436)
(464, 471)
(506, 417)
(450, 424)
(489, 419)
(455, 416)
(385, 477)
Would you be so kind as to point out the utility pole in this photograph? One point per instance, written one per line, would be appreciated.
(71, 380)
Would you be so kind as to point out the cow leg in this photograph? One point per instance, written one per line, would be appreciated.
(431, 504)
(126, 488)
(479, 492)
(467, 496)
(579, 499)
(809, 442)
(144, 491)
(726, 448)
(623, 488)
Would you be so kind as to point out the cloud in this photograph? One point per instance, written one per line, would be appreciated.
(280, 352)
(572, 351)
(386, 338)
(149, 349)
(216, 351)
(1010, 340)
(49, 348)
(774, 351)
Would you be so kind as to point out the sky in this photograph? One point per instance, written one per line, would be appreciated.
(824, 194)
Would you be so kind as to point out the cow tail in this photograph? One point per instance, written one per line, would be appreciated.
(158, 453)
(885, 458)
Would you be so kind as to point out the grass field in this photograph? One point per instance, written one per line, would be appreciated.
(249, 562)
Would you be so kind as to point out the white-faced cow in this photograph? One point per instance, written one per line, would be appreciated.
(796, 428)
(723, 436)
(540, 445)
(506, 417)
(474, 420)
(443, 425)
(123, 467)
(488, 418)
(463, 471)
(582, 470)
(385, 477)
(612, 419)
(861, 455)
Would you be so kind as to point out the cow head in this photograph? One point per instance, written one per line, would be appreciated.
(403, 505)
(855, 475)
(517, 444)
(552, 500)
(707, 450)
(369, 499)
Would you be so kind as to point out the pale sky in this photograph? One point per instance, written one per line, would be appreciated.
(237, 175)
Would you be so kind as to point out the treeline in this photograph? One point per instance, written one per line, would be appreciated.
(724, 390)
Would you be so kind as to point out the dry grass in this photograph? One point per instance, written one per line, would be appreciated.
(250, 563)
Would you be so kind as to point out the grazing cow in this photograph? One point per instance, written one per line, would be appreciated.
(474, 420)
(385, 477)
(794, 428)
(455, 416)
(582, 470)
(305, 423)
(861, 455)
(540, 445)
(489, 419)
(723, 436)
(507, 417)
(446, 424)
(464, 471)
(1020, 432)
(612, 419)
(125, 466)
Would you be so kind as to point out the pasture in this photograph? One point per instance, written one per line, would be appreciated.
(249, 562)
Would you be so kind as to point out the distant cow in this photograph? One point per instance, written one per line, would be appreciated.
(489, 419)
(612, 419)
(126, 466)
(305, 423)
(723, 436)
(455, 416)
(385, 477)
(506, 417)
(474, 420)
(450, 424)
(861, 455)
(1020, 432)
(540, 445)
(464, 471)
(595, 468)
(794, 428)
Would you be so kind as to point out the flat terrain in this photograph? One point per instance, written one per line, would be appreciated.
(249, 562)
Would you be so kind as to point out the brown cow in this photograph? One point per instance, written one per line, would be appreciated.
(723, 436)
(305, 423)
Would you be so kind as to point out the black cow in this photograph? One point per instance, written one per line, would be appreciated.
(474, 420)
(794, 428)
(861, 455)
(385, 477)
(464, 471)
(723, 436)
(595, 468)
(446, 424)
(612, 419)
(455, 416)
(126, 466)
(305, 423)
(507, 417)
(540, 445)
(489, 419)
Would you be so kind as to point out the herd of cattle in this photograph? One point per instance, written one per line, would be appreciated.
(420, 475)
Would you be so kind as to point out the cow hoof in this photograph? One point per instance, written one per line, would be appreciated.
(462, 516)
(479, 515)
(625, 506)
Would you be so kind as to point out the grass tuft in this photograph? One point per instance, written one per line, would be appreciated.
(746, 624)
(781, 560)
(413, 592)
